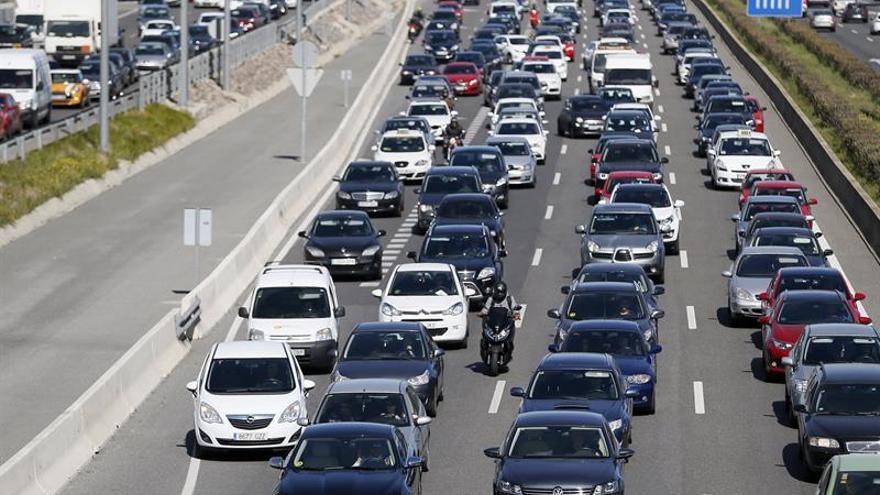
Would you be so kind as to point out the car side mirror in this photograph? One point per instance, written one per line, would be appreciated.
(438, 353)
(302, 233)
(303, 422)
(580, 229)
(470, 292)
(827, 252)
(276, 462)
(554, 313)
(664, 160)
(193, 387)
(655, 349)
(812, 201)
(308, 384)
(517, 392)
(243, 312)
(763, 296)
(734, 217)
(374, 148)
(502, 253)
(801, 408)
(377, 293)
(859, 296)
(659, 291)
(678, 203)
(625, 454)
(727, 274)
(787, 361)
(454, 113)
(414, 462)
(432, 147)
(418, 190)
(337, 178)
(554, 348)
(411, 255)
(631, 393)
(340, 312)
(865, 320)
(764, 320)
(565, 289)
(423, 420)
(777, 152)
(657, 314)
(381, 233)
(492, 453)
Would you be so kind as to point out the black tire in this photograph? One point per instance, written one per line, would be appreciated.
(494, 359)
(505, 204)
(652, 406)
(399, 211)
(431, 407)
(674, 247)
(560, 130)
(660, 278)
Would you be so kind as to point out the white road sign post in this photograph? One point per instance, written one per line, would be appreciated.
(345, 75)
(198, 224)
(304, 78)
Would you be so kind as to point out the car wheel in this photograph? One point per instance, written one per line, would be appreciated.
(431, 407)
(735, 319)
(560, 129)
(652, 406)
(660, 278)
(534, 182)
(789, 411)
(505, 204)
(673, 248)
(571, 132)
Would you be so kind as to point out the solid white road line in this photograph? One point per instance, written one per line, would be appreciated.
(556, 178)
(536, 259)
(192, 476)
(683, 258)
(667, 150)
(835, 263)
(663, 126)
(691, 317)
(563, 149)
(699, 401)
(672, 178)
(549, 213)
(496, 396)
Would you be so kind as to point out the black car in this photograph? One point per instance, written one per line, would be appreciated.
(16, 36)
(401, 350)
(630, 155)
(706, 128)
(840, 413)
(200, 38)
(130, 60)
(720, 88)
(490, 52)
(472, 208)
(443, 44)
(616, 94)
(117, 61)
(416, 65)
(582, 115)
(331, 458)
(91, 70)
(345, 242)
(698, 70)
(470, 249)
(370, 186)
(546, 450)
(629, 273)
(489, 162)
(440, 182)
(855, 11)
(518, 90)
(799, 237)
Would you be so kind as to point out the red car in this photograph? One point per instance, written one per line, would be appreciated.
(786, 188)
(809, 278)
(757, 112)
(603, 194)
(794, 310)
(10, 117)
(567, 46)
(464, 77)
(454, 6)
(760, 174)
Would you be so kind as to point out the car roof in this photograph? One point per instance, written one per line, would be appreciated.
(779, 184)
(428, 267)
(568, 360)
(615, 325)
(767, 198)
(518, 120)
(779, 215)
(452, 170)
(626, 174)
(640, 187)
(802, 271)
(347, 429)
(784, 230)
(467, 197)
(367, 385)
(841, 330)
(622, 208)
(388, 326)
(584, 287)
(280, 275)
(857, 462)
(370, 163)
(611, 268)
(480, 148)
(343, 214)
(782, 250)
(457, 228)
(244, 349)
(736, 134)
(507, 139)
(811, 295)
(558, 418)
(847, 373)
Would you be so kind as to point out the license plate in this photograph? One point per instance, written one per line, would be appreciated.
(59, 98)
(343, 261)
(248, 436)
(299, 352)
(68, 57)
(368, 204)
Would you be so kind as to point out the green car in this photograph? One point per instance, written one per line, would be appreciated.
(848, 474)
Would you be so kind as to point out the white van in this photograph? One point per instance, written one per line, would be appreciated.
(24, 73)
(633, 71)
(597, 65)
(298, 305)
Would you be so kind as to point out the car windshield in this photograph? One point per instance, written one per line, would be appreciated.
(813, 282)
(606, 342)
(714, 120)
(360, 453)
(810, 312)
(483, 162)
(423, 283)
(622, 223)
(450, 184)
(386, 409)
(385, 345)
(512, 148)
(766, 265)
(66, 77)
(573, 385)
(705, 69)
(612, 184)
(530, 80)
(149, 50)
(604, 306)
(250, 376)
(438, 109)
(843, 349)
(855, 399)
(199, 31)
(548, 442)
(342, 227)
(460, 69)
(457, 246)
(587, 104)
(68, 29)
(369, 173)
(16, 79)
(420, 60)
(806, 243)
(861, 482)
(469, 208)
(539, 68)
(518, 128)
(752, 178)
(656, 197)
(405, 123)
(755, 208)
(439, 36)
(429, 91)
(628, 76)
(291, 302)
(727, 105)
(635, 123)
(617, 95)
(794, 192)
(551, 54)
(515, 91)
(396, 144)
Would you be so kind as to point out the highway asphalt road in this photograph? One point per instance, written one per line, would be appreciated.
(857, 38)
(717, 429)
(79, 291)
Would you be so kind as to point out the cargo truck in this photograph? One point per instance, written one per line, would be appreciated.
(73, 28)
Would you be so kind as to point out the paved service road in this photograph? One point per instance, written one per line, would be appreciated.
(857, 38)
(717, 429)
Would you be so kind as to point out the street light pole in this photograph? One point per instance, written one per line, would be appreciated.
(184, 57)
(227, 24)
(104, 111)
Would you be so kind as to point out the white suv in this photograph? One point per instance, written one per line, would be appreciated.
(556, 55)
(296, 304)
(408, 150)
(249, 395)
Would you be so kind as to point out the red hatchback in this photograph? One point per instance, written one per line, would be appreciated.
(464, 77)
(603, 194)
(794, 310)
(809, 278)
(760, 174)
(453, 6)
(757, 112)
(10, 117)
(786, 188)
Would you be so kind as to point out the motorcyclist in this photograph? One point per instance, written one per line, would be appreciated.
(418, 16)
(533, 16)
(500, 298)
(453, 135)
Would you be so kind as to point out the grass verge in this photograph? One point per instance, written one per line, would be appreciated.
(64, 164)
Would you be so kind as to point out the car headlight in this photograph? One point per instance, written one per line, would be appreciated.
(255, 334)
(391, 194)
(720, 165)
(421, 163)
(425, 208)
(502, 181)
(454, 310)
(343, 195)
(666, 221)
(454, 47)
(592, 246)
(607, 488)
(473, 82)
(781, 345)
(406, 72)
(315, 252)
(800, 386)
(639, 379)
(370, 251)
(653, 246)
(389, 310)
(324, 334)
(658, 176)
(505, 487)
(744, 295)
(208, 414)
(419, 380)
(337, 376)
(616, 424)
(648, 334)
(603, 176)
(824, 443)
(34, 104)
(485, 273)
(291, 414)
(428, 48)
(579, 120)
(430, 72)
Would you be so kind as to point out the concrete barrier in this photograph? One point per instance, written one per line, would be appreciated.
(51, 458)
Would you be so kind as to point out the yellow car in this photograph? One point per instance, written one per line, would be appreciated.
(69, 89)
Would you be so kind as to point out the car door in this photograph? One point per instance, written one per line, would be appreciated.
(421, 434)
(438, 364)
(405, 451)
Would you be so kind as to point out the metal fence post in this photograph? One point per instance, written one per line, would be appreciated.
(21, 152)
(140, 97)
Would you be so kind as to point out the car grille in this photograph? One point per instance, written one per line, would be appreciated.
(466, 274)
(367, 196)
(67, 49)
(401, 164)
(553, 491)
(422, 312)
(623, 255)
(289, 338)
(643, 256)
(863, 446)
(250, 422)
(599, 255)
(434, 332)
(268, 441)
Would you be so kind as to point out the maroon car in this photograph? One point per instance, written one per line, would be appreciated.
(10, 117)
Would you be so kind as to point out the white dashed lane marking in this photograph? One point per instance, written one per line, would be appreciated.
(699, 401)
(549, 213)
(556, 178)
(667, 150)
(536, 259)
(691, 317)
(563, 149)
(660, 109)
(672, 178)
(496, 396)
(663, 127)
(683, 258)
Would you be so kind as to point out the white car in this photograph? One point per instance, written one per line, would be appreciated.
(156, 27)
(597, 69)
(548, 76)
(555, 55)
(875, 24)
(619, 15)
(503, 104)
(249, 395)
(515, 47)
(737, 152)
(666, 211)
(684, 68)
(436, 112)
(429, 293)
(552, 5)
(298, 305)
(823, 19)
(530, 129)
(408, 150)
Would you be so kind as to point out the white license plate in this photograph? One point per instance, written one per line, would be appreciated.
(343, 261)
(248, 436)
(299, 352)
(368, 204)
(68, 57)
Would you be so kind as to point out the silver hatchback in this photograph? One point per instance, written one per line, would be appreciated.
(750, 275)
(521, 162)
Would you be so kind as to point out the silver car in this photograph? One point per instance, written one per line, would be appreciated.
(826, 343)
(822, 19)
(521, 162)
(624, 233)
(750, 275)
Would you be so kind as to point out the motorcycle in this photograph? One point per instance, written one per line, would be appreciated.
(533, 18)
(414, 29)
(496, 342)
(452, 143)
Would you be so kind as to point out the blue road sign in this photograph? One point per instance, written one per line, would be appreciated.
(775, 8)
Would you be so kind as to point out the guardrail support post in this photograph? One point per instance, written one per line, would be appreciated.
(141, 96)
(21, 151)
(224, 65)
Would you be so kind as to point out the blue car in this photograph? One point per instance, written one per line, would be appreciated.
(623, 340)
(580, 380)
(337, 458)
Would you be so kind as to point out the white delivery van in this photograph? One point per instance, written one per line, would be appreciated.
(73, 29)
(633, 71)
(597, 65)
(24, 73)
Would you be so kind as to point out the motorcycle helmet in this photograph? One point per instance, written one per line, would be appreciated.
(499, 292)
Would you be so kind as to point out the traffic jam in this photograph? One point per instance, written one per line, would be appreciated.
(599, 376)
